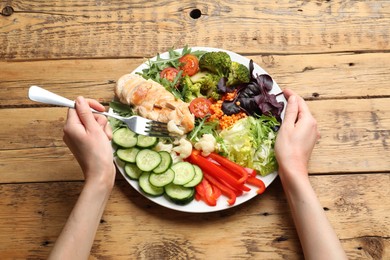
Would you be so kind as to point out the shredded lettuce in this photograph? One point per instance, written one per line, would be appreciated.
(250, 143)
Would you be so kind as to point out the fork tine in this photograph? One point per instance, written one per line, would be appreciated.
(157, 129)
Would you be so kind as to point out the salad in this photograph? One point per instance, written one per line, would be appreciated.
(236, 120)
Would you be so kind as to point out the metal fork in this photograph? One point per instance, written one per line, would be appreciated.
(137, 124)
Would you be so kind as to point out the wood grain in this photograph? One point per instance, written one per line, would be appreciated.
(57, 29)
(134, 227)
(314, 76)
(336, 54)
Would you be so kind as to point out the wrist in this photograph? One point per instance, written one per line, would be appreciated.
(101, 182)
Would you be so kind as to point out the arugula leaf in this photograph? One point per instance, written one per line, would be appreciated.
(159, 64)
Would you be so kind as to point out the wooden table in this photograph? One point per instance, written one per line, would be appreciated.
(336, 54)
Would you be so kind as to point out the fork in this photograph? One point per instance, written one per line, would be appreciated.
(137, 124)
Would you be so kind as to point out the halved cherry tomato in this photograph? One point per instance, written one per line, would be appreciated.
(169, 73)
(190, 64)
(200, 107)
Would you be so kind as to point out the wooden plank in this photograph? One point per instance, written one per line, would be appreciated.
(348, 127)
(134, 227)
(58, 29)
(318, 76)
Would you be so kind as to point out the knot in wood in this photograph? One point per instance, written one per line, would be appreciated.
(7, 11)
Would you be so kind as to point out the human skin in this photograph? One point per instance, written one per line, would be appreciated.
(88, 137)
(293, 147)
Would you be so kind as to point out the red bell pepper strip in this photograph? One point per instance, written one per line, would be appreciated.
(251, 172)
(206, 193)
(232, 166)
(225, 190)
(216, 171)
(258, 183)
(217, 192)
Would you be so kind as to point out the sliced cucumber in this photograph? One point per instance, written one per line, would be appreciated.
(166, 162)
(132, 171)
(179, 194)
(197, 178)
(184, 172)
(124, 137)
(147, 160)
(162, 179)
(128, 155)
(146, 141)
(147, 187)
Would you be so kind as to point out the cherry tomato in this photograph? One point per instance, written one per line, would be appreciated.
(200, 107)
(169, 73)
(190, 64)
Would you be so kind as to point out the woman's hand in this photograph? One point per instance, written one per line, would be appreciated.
(88, 136)
(296, 137)
(294, 145)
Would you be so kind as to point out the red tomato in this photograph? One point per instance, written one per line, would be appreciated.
(190, 64)
(200, 107)
(169, 73)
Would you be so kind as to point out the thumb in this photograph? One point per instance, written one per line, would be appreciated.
(291, 110)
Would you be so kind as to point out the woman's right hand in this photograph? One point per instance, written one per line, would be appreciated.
(296, 137)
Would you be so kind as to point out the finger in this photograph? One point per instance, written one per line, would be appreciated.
(303, 109)
(85, 114)
(288, 92)
(108, 131)
(95, 105)
(291, 113)
(101, 120)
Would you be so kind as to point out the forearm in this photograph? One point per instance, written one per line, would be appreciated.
(317, 237)
(77, 236)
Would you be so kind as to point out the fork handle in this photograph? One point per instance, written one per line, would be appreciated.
(39, 94)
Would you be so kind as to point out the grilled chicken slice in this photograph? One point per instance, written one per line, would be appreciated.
(151, 100)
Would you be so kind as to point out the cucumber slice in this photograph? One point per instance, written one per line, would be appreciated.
(162, 179)
(197, 178)
(146, 141)
(184, 172)
(132, 171)
(166, 162)
(124, 137)
(179, 194)
(128, 155)
(147, 187)
(147, 160)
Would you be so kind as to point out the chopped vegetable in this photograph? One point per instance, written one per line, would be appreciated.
(238, 169)
(216, 171)
(253, 97)
(189, 64)
(216, 62)
(249, 142)
(200, 107)
(169, 73)
(238, 74)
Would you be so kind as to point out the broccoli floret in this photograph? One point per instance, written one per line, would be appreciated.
(238, 74)
(216, 62)
(209, 83)
(191, 89)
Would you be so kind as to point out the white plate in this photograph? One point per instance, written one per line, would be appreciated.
(200, 206)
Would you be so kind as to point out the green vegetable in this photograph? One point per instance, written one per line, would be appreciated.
(238, 74)
(250, 143)
(208, 84)
(190, 90)
(156, 66)
(216, 62)
(202, 126)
